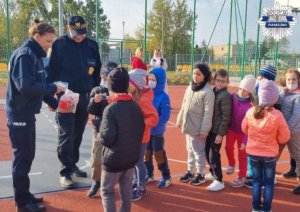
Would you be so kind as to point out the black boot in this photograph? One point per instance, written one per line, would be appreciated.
(290, 174)
(31, 207)
(297, 190)
(78, 173)
(36, 200)
(94, 189)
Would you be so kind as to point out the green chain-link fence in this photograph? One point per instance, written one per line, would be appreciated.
(221, 33)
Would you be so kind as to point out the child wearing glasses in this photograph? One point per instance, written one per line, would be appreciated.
(220, 125)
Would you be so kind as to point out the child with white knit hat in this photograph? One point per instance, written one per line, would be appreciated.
(241, 102)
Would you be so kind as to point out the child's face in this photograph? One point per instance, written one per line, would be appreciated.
(198, 77)
(221, 82)
(152, 77)
(243, 93)
(291, 81)
(131, 89)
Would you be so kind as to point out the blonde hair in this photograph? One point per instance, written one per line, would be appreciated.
(139, 52)
(41, 28)
(290, 71)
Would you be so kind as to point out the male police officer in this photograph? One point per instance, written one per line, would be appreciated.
(74, 59)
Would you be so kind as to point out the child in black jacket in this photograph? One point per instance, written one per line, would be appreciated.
(121, 133)
(98, 101)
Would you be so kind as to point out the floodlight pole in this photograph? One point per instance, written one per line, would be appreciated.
(7, 33)
(193, 37)
(60, 17)
(229, 38)
(97, 21)
(244, 39)
(257, 40)
(145, 32)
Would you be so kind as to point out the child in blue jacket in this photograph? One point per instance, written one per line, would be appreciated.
(157, 80)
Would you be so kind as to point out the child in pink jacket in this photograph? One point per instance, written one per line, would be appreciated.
(266, 129)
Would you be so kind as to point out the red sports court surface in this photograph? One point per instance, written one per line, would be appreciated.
(179, 196)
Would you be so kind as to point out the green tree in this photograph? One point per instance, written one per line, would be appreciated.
(160, 24)
(89, 12)
(182, 27)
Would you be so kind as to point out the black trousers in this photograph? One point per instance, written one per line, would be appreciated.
(70, 130)
(213, 157)
(22, 134)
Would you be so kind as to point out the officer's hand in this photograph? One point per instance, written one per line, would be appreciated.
(59, 89)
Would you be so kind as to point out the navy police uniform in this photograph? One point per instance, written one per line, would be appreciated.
(79, 65)
(25, 91)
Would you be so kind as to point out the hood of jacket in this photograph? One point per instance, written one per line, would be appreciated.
(161, 77)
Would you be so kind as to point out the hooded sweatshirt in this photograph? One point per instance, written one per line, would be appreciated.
(265, 134)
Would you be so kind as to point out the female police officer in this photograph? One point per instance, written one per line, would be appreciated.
(25, 91)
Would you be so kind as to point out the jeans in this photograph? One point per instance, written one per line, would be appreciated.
(140, 168)
(263, 174)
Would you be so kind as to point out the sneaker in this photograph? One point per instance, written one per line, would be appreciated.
(164, 183)
(297, 190)
(138, 193)
(66, 182)
(248, 177)
(253, 210)
(248, 184)
(186, 177)
(198, 179)
(94, 189)
(209, 176)
(230, 170)
(238, 182)
(149, 179)
(216, 186)
(289, 174)
(78, 173)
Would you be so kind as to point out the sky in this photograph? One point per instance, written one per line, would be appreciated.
(131, 12)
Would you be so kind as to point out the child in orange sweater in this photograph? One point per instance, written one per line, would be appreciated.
(266, 129)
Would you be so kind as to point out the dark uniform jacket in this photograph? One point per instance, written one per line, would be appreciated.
(26, 83)
(222, 112)
(121, 132)
(76, 63)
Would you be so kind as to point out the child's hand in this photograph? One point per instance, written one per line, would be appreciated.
(203, 137)
(218, 139)
(98, 98)
(243, 147)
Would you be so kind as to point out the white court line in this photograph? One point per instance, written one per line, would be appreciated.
(172, 123)
(30, 174)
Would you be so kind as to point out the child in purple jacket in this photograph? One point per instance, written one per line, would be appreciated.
(241, 102)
